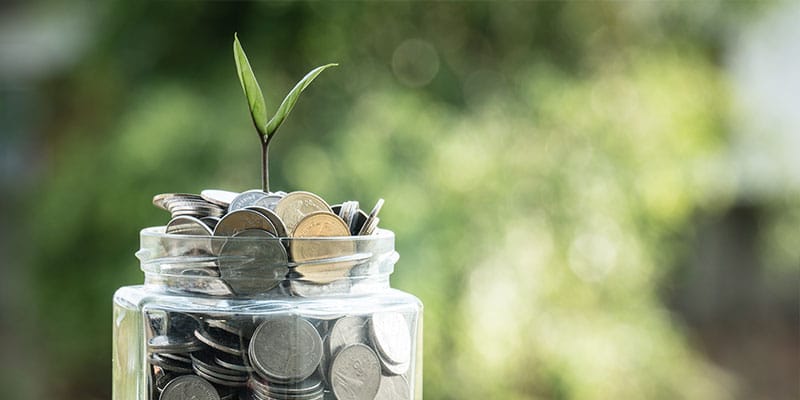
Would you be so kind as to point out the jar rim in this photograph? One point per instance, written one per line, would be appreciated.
(250, 265)
(160, 232)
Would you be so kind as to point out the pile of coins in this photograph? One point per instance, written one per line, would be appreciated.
(279, 214)
(303, 266)
(279, 357)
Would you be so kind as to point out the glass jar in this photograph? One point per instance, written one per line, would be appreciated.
(224, 318)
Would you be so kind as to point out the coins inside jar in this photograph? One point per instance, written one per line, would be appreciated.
(277, 356)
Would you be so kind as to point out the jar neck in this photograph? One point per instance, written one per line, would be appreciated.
(258, 267)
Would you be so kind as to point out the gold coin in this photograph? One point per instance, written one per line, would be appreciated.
(319, 261)
(296, 205)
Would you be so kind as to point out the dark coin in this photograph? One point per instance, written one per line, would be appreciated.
(189, 387)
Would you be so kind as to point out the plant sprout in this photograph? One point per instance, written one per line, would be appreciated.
(258, 110)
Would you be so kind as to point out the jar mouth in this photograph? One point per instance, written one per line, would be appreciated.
(244, 265)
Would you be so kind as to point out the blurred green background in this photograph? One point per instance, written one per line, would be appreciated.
(593, 200)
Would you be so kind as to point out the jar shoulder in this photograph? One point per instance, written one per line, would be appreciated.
(142, 297)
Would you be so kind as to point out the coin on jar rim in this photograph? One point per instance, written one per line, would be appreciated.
(320, 224)
(245, 199)
(240, 220)
(296, 205)
(162, 200)
(189, 387)
(219, 197)
(355, 373)
(317, 225)
(372, 220)
(186, 225)
(270, 200)
(280, 228)
(250, 266)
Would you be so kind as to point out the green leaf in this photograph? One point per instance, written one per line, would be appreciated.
(255, 98)
(291, 98)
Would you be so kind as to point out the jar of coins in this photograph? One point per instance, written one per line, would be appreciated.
(246, 301)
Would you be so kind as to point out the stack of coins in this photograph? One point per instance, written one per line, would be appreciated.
(304, 267)
(279, 357)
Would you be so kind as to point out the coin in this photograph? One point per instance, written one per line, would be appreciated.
(252, 266)
(170, 365)
(269, 201)
(272, 218)
(240, 220)
(219, 197)
(245, 199)
(296, 205)
(172, 344)
(287, 348)
(186, 225)
(355, 373)
(278, 228)
(219, 340)
(393, 388)
(162, 200)
(390, 333)
(321, 261)
(372, 220)
(347, 331)
(320, 224)
(189, 387)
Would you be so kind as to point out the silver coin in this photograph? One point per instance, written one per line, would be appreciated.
(206, 361)
(347, 331)
(211, 221)
(391, 369)
(269, 215)
(269, 201)
(287, 348)
(217, 380)
(189, 387)
(219, 197)
(184, 358)
(390, 334)
(372, 220)
(169, 365)
(185, 225)
(355, 373)
(162, 200)
(253, 266)
(393, 388)
(302, 288)
(280, 228)
(219, 340)
(172, 344)
(296, 205)
(245, 199)
(238, 377)
(232, 363)
(357, 221)
(240, 220)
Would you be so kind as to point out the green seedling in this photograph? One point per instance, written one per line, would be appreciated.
(258, 110)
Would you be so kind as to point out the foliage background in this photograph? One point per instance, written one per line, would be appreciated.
(593, 200)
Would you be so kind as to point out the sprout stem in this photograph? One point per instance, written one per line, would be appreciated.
(265, 165)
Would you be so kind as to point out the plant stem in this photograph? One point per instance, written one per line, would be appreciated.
(265, 165)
